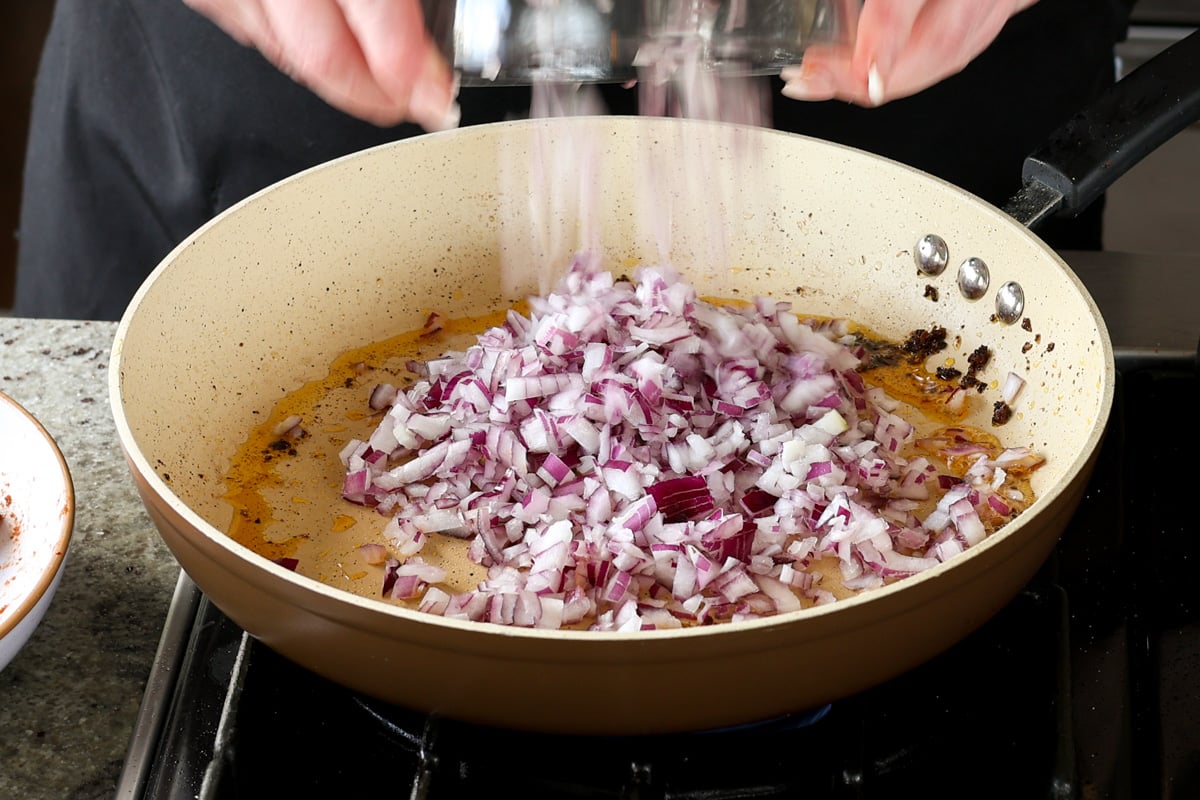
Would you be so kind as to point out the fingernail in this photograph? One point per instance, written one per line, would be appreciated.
(449, 121)
(428, 109)
(875, 86)
(792, 73)
(806, 84)
(431, 104)
(431, 107)
(796, 90)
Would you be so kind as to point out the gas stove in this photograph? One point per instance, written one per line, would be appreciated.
(1084, 686)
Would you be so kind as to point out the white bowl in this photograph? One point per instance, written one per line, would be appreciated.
(37, 516)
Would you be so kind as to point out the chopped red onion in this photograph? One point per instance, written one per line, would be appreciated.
(289, 427)
(630, 457)
(373, 553)
(1012, 387)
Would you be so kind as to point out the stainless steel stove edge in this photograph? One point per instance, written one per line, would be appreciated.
(160, 686)
(1150, 303)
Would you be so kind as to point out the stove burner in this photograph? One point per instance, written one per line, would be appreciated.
(787, 722)
(443, 750)
(980, 709)
(408, 726)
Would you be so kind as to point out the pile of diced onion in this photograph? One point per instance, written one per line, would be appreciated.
(630, 457)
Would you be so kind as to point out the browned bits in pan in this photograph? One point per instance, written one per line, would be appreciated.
(948, 373)
(1001, 413)
(979, 358)
(1026, 325)
(976, 361)
(921, 343)
(931, 292)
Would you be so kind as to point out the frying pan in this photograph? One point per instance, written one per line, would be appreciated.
(266, 296)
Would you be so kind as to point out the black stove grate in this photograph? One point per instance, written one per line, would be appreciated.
(989, 703)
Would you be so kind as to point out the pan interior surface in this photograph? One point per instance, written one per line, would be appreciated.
(266, 296)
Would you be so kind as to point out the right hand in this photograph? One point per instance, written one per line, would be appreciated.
(901, 47)
(372, 59)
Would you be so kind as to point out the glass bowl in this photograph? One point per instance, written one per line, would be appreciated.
(518, 42)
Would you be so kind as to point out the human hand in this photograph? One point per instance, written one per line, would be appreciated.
(373, 59)
(901, 47)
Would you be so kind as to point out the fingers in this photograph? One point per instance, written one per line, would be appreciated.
(402, 59)
(370, 58)
(901, 47)
(858, 72)
(825, 74)
(884, 30)
(943, 45)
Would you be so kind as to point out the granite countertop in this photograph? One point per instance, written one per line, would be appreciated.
(69, 700)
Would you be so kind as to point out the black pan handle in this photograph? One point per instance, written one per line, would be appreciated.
(1099, 145)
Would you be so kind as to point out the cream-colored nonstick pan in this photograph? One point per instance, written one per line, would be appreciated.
(270, 293)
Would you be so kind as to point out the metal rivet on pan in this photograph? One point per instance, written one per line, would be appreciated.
(1010, 302)
(932, 254)
(973, 278)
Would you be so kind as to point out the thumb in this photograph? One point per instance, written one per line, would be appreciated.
(884, 28)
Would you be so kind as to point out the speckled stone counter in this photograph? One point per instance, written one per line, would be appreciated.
(69, 700)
